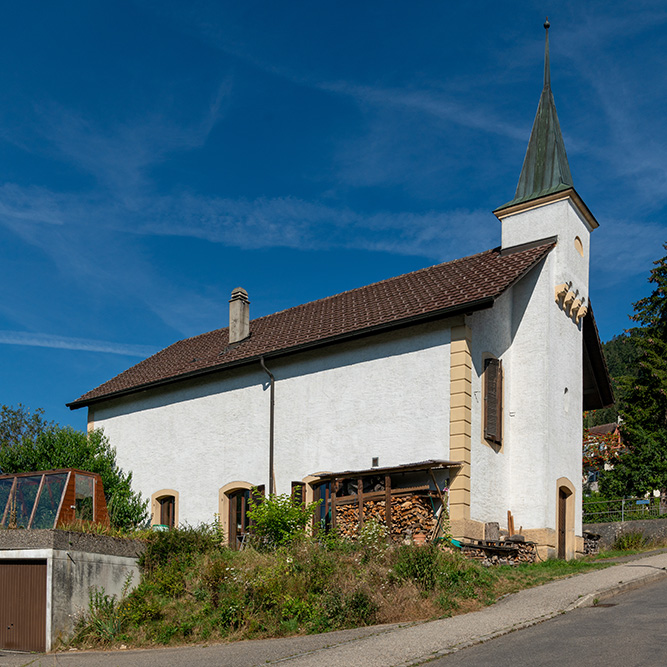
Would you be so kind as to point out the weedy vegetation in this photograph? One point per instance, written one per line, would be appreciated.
(196, 589)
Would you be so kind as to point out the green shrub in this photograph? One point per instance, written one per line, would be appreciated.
(628, 541)
(140, 607)
(169, 580)
(215, 573)
(177, 545)
(360, 608)
(276, 520)
(372, 540)
(314, 565)
(298, 609)
(104, 620)
(462, 578)
(418, 564)
(229, 614)
(165, 633)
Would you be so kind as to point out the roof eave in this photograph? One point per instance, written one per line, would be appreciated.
(593, 351)
(514, 207)
(432, 464)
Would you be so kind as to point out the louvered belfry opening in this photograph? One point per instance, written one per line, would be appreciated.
(493, 400)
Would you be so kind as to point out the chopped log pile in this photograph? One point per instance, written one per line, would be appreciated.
(410, 515)
(591, 544)
(500, 553)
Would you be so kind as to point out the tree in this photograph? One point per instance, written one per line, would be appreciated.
(641, 470)
(28, 443)
(644, 399)
(276, 520)
(18, 423)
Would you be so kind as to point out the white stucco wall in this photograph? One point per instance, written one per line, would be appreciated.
(336, 408)
(490, 471)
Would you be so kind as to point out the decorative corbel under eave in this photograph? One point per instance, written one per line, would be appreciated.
(581, 313)
(574, 308)
(569, 300)
(561, 291)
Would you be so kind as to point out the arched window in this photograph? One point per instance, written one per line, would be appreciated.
(234, 505)
(164, 508)
(238, 516)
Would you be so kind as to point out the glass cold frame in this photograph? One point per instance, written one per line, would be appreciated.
(49, 501)
(5, 488)
(23, 505)
(23, 500)
(83, 495)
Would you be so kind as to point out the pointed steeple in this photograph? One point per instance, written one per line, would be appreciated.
(545, 168)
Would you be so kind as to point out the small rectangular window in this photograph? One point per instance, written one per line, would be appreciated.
(493, 400)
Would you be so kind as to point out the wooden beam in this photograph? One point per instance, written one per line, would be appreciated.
(387, 501)
(437, 488)
(333, 503)
(379, 495)
(360, 501)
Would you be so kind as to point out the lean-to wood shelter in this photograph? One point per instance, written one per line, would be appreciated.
(356, 487)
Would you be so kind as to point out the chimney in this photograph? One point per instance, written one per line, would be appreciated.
(239, 315)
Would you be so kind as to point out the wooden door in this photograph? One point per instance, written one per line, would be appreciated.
(23, 605)
(562, 521)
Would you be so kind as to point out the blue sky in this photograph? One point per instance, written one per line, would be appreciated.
(155, 155)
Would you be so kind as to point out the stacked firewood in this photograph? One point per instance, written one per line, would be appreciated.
(591, 544)
(501, 553)
(410, 515)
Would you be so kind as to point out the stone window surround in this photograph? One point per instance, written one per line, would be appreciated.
(155, 505)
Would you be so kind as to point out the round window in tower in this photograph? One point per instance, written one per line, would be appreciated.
(579, 245)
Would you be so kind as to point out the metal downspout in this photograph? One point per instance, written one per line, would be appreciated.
(271, 421)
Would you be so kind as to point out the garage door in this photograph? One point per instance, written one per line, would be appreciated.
(23, 605)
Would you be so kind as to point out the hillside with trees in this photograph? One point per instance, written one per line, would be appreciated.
(638, 362)
(622, 355)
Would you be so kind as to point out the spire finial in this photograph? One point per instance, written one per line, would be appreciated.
(547, 70)
(545, 168)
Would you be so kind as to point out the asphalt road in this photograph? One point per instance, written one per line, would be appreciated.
(631, 631)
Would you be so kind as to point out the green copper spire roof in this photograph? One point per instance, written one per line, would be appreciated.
(545, 167)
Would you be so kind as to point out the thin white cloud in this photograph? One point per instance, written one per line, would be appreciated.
(288, 222)
(433, 103)
(68, 343)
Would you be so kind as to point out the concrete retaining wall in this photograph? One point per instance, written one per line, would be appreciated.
(652, 529)
(67, 540)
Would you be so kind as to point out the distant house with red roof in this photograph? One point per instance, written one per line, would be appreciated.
(470, 375)
(602, 445)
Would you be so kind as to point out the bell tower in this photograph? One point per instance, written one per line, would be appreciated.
(546, 203)
(545, 361)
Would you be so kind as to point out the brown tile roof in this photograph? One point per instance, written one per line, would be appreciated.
(603, 429)
(444, 289)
